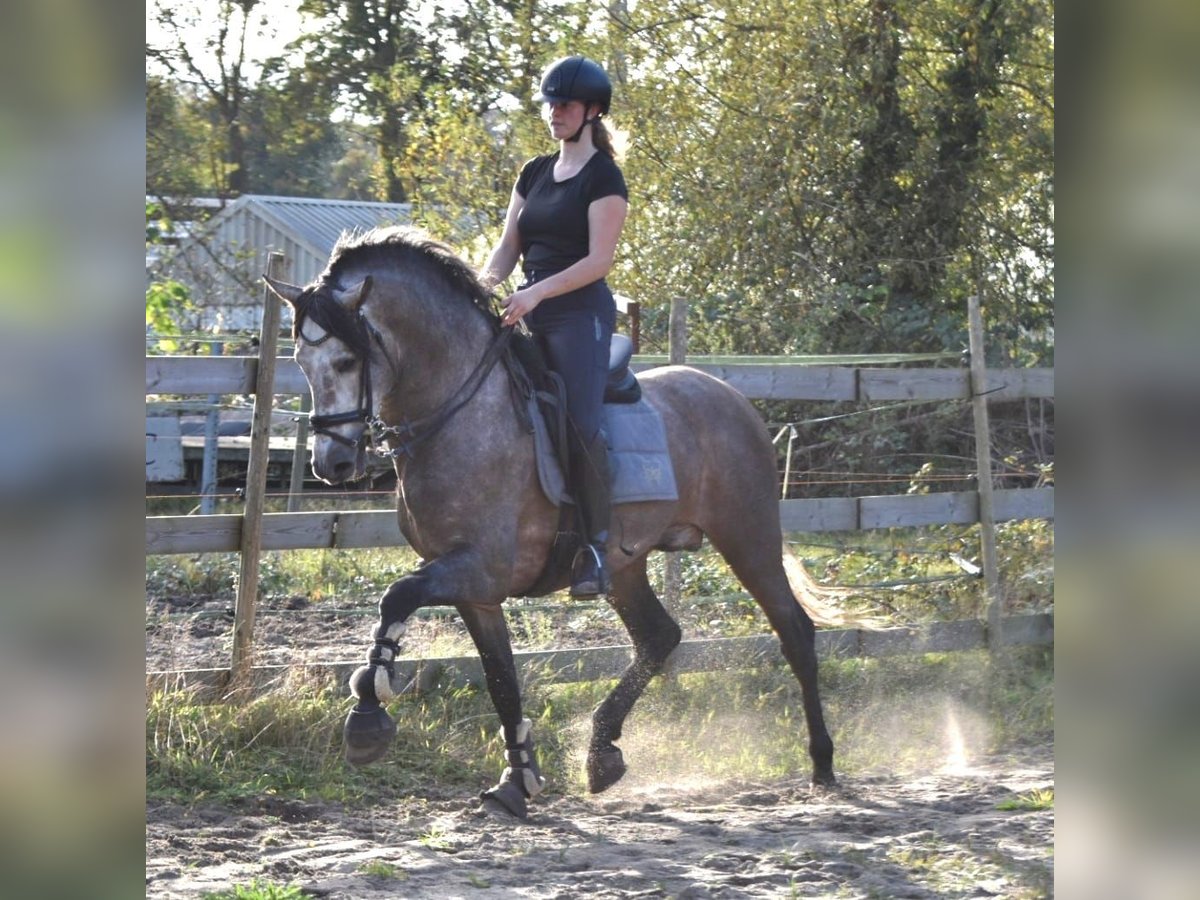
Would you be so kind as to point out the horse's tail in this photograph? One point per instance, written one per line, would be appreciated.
(822, 603)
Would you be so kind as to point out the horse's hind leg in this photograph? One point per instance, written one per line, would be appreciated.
(757, 561)
(655, 634)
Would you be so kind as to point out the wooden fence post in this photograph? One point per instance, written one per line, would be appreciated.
(983, 462)
(299, 455)
(212, 449)
(676, 356)
(256, 482)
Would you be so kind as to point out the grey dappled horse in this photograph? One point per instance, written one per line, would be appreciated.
(396, 338)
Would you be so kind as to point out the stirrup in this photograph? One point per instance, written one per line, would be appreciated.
(589, 575)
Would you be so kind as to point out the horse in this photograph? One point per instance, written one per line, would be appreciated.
(400, 345)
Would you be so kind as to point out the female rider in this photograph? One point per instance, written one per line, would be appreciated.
(564, 218)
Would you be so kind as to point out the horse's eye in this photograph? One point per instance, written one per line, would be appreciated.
(344, 365)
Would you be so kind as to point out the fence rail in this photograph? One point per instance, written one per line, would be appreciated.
(598, 663)
(346, 530)
(237, 375)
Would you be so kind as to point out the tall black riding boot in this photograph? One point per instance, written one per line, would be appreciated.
(589, 574)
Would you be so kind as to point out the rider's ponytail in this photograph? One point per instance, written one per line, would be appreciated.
(602, 139)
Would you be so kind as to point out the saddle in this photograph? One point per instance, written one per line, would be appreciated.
(545, 395)
(638, 456)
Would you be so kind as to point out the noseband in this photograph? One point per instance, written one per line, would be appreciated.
(409, 433)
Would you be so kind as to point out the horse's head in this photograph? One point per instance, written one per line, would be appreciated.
(334, 350)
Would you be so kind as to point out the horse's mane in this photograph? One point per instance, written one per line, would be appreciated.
(387, 243)
(381, 246)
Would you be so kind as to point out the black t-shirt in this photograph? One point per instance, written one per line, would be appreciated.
(553, 224)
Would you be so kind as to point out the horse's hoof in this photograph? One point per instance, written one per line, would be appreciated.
(508, 797)
(605, 768)
(824, 779)
(367, 734)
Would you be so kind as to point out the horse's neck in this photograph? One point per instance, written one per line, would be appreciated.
(436, 349)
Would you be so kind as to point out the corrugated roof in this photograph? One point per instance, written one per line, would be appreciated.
(320, 222)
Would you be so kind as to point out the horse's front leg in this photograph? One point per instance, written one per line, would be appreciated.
(369, 729)
(522, 779)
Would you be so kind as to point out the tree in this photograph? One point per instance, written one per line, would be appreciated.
(215, 66)
(292, 143)
(373, 54)
(842, 173)
(178, 163)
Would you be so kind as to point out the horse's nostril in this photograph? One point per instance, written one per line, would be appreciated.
(343, 471)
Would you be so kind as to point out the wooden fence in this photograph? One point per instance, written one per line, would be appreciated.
(774, 380)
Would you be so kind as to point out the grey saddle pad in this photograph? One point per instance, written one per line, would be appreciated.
(637, 455)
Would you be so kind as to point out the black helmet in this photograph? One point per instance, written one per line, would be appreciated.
(575, 78)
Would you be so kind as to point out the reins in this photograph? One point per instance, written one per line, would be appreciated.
(407, 435)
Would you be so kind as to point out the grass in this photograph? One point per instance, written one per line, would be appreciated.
(258, 890)
(1030, 801)
(907, 576)
(885, 715)
(888, 714)
(287, 744)
(380, 869)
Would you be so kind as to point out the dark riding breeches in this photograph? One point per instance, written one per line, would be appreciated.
(574, 332)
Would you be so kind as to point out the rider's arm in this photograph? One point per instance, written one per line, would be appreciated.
(606, 218)
(508, 249)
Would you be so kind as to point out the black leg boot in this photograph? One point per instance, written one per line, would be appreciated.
(522, 780)
(589, 573)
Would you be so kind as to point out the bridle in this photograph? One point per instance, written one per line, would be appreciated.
(405, 437)
(323, 424)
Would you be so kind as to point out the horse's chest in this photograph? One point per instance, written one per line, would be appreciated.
(436, 518)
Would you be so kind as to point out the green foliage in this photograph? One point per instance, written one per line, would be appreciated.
(839, 172)
(179, 140)
(166, 302)
(1030, 801)
(291, 140)
(258, 890)
(831, 177)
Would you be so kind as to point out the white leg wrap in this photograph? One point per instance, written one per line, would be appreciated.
(383, 685)
(522, 732)
(381, 656)
(394, 632)
(532, 781)
(533, 784)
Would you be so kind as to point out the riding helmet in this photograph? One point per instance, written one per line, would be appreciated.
(575, 78)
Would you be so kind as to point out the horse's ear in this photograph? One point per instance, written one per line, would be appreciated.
(288, 293)
(353, 298)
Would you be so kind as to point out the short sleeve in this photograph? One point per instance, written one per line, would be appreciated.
(528, 173)
(608, 181)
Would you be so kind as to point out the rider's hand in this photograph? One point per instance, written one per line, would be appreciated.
(519, 304)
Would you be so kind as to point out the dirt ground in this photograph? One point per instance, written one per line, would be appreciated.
(940, 835)
(656, 834)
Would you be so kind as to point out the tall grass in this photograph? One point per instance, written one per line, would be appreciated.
(906, 576)
(904, 713)
(887, 715)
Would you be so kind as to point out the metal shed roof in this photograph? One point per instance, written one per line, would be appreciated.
(318, 223)
(225, 256)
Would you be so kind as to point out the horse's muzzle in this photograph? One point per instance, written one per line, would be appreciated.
(336, 463)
